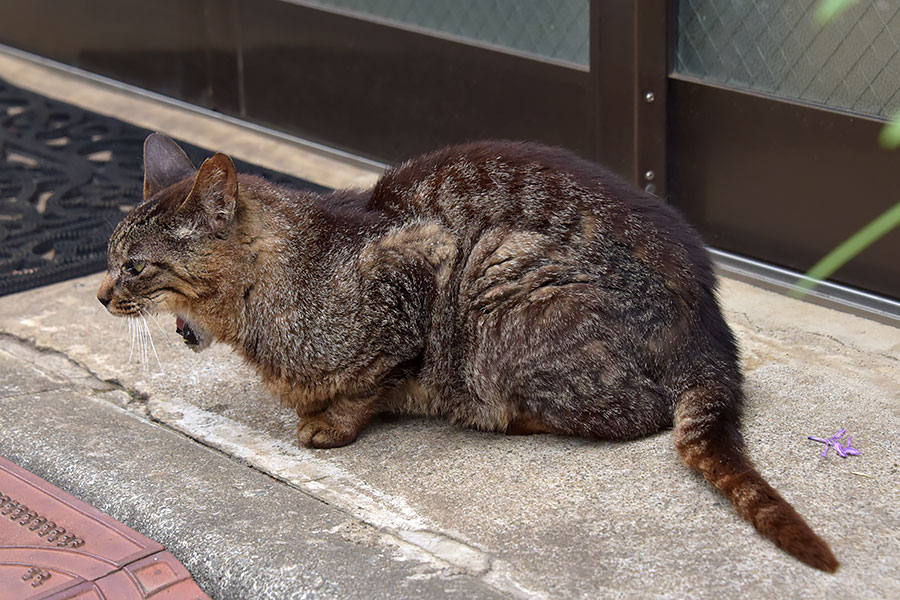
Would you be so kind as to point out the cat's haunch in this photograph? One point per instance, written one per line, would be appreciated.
(505, 286)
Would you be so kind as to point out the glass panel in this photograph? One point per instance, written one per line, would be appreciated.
(555, 29)
(777, 47)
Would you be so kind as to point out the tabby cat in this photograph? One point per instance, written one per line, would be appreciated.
(506, 286)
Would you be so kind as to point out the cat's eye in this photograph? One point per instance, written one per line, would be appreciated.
(134, 267)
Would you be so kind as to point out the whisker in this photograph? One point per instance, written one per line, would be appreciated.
(150, 339)
(161, 330)
(137, 338)
(131, 331)
(140, 343)
(145, 363)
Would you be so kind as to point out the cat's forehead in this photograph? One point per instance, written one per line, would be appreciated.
(129, 232)
(142, 221)
(146, 218)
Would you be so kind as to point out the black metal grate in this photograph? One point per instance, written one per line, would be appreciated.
(67, 177)
(777, 47)
(557, 30)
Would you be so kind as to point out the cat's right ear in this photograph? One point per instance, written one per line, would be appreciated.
(165, 163)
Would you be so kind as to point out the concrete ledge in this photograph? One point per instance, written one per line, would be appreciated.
(241, 533)
(529, 517)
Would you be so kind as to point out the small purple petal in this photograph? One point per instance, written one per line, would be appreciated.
(834, 441)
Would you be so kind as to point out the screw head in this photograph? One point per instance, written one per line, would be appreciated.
(650, 188)
(649, 97)
(649, 175)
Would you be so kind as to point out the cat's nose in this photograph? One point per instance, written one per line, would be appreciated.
(104, 294)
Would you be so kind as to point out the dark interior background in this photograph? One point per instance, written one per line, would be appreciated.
(760, 174)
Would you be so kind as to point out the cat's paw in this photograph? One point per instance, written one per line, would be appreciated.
(318, 432)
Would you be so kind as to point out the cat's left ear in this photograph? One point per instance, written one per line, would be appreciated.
(165, 163)
(213, 198)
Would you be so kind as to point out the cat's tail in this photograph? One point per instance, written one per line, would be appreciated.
(706, 435)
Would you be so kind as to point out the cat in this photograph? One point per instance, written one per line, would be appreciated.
(506, 286)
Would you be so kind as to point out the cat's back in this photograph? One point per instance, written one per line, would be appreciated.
(525, 186)
(495, 179)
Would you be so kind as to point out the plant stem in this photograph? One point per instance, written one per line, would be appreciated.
(855, 244)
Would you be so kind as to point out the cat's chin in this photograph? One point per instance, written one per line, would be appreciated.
(194, 336)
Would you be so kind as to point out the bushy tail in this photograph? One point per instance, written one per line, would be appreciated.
(706, 435)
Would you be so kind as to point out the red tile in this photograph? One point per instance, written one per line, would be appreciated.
(54, 546)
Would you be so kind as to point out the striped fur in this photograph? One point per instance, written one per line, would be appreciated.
(505, 286)
(706, 435)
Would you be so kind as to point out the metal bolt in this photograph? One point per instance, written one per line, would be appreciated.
(41, 578)
(20, 510)
(55, 534)
(650, 188)
(649, 175)
(649, 97)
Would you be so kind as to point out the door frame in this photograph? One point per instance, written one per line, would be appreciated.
(272, 63)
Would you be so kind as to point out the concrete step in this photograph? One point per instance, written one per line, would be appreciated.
(239, 531)
(191, 451)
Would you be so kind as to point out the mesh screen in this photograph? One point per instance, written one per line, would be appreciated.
(556, 29)
(777, 47)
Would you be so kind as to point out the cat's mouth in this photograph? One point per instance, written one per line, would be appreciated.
(194, 336)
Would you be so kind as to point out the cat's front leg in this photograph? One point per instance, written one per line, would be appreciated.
(339, 424)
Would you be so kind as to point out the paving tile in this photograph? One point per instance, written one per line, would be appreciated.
(53, 545)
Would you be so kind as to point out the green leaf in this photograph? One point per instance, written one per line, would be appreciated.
(829, 9)
(889, 137)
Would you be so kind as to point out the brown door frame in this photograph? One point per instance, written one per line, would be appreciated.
(400, 91)
(629, 64)
(765, 177)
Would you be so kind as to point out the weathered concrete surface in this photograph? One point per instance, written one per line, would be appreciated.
(533, 516)
(241, 533)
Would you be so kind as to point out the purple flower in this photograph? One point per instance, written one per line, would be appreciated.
(842, 450)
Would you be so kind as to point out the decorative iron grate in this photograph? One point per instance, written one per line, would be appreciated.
(67, 177)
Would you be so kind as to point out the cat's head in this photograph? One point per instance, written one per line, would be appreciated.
(166, 255)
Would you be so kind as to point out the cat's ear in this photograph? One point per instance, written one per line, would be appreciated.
(214, 196)
(165, 163)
